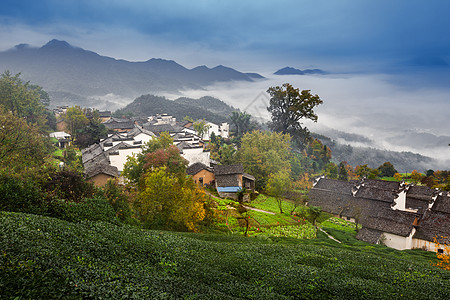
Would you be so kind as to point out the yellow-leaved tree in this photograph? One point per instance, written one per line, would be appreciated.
(444, 254)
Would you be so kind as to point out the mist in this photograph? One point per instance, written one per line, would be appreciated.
(379, 107)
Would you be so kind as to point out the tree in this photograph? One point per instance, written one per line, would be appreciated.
(416, 176)
(342, 173)
(398, 176)
(314, 213)
(241, 121)
(75, 119)
(93, 131)
(22, 147)
(387, 170)
(363, 171)
(134, 168)
(331, 170)
(288, 106)
(264, 153)
(166, 202)
(278, 184)
(201, 127)
(22, 99)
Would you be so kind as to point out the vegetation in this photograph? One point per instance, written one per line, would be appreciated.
(288, 106)
(50, 258)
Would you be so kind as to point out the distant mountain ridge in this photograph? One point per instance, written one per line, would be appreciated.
(293, 71)
(208, 108)
(62, 68)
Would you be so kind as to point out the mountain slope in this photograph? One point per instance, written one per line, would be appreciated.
(209, 103)
(149, 105)
(293, 71)
(60, 67)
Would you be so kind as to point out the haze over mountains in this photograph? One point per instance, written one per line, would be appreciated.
(72, 75)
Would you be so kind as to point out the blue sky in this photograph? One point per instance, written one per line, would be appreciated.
(342, 35)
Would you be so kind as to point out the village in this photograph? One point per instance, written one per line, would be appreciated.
(396, 214)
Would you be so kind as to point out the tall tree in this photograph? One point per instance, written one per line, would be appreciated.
(241, 121)
(264, 153)
(387, 170)
(342, 173)
(22, 99)
(288, 106)
(75, 119)
(278, 184)
(201, 127)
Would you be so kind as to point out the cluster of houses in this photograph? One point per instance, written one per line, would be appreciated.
(399, 215)
(106, 159)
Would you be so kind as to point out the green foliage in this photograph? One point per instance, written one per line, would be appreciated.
(168, 201)
(201, 128)
(387, 170)
(314, 213)
(68, 185)
(120, 201)
(22, 99)
(92, 209)
(305, 231)
(93, 131)
(134, 168)
(21, 194)
(22, 147)
(342, 173)
(331, 170)
(76, 120)
(241, 122)
(277, 185)
(49, 258)
(288, 106)
(264, 153)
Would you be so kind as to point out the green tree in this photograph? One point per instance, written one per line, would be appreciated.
(387, 170)
(22, 99)
(22, 147)
(241, 121)
(331, 170)
(277, 185)
(342, 173)
(134, 167)
(314, 213)
(93, 131)
(201, 127)
(288, 106)
(363, 171)
(264, 153)
(75, 119)
(166, 202)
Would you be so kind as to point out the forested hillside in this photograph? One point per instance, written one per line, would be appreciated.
(203, 108)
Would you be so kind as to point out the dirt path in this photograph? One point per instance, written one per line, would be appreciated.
(329, 236)
(260, 210)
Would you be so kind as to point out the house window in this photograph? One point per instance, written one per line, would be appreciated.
(348, 218)
(440, 251)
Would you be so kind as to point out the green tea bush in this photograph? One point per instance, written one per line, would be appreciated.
(43, 257)
(21, 195)
(93, 209)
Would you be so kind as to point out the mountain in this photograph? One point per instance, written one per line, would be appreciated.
(149, 105)
(293, 71)
(209, 103)
(62, 69)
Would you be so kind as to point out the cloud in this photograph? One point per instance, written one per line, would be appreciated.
(369, 105)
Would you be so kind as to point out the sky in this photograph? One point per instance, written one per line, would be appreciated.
(389, 60)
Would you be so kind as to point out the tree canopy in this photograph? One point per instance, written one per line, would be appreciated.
(288, 106)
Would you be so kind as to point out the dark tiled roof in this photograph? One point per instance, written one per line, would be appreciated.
(442, 204)
(381, 184)
(337, 186)
(157, 129)
(420, 193)
(228, 169)
(227, 180)
(434, 224)
(120, 125)
(122, 145)
(369, 235)
(374, 193)
(197, 167)
(138, 130)
(248, 176)
(391, 221)
(91, 152)
(92, 169)
(104, 114)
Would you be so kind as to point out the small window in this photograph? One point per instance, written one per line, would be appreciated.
(440, 251)
(348, 218)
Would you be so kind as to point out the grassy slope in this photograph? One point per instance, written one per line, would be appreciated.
(50, 258)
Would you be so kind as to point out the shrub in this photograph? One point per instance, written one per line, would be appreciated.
(21, 195)
(93, 209)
